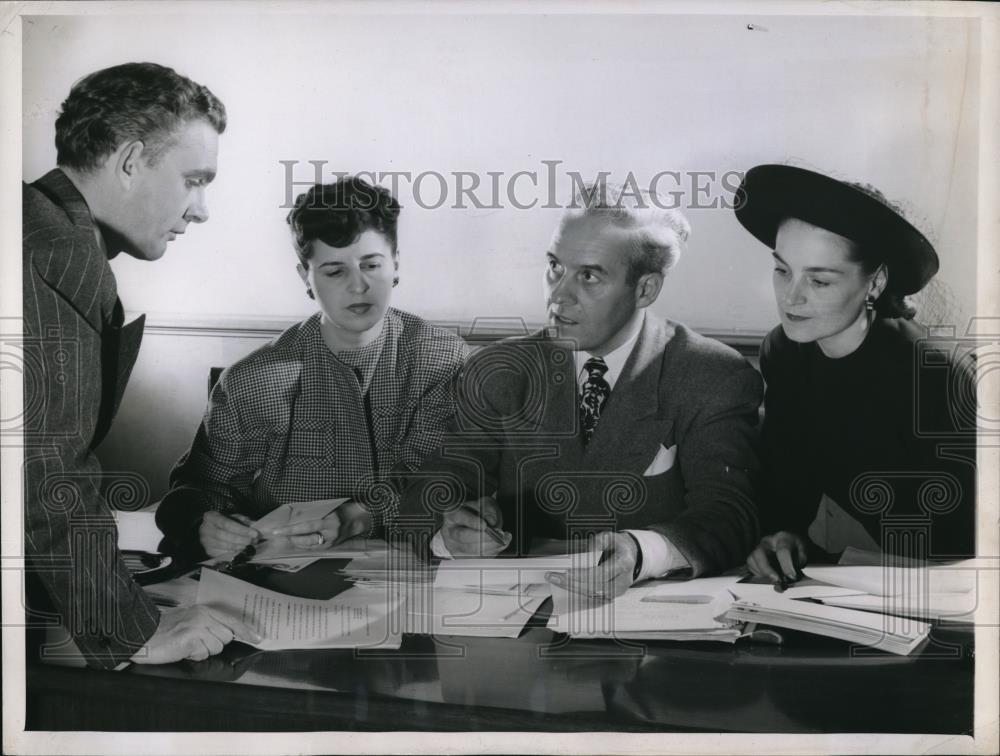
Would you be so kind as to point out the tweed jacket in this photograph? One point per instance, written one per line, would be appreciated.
(675, 449)
(78, 358)
(292, 422)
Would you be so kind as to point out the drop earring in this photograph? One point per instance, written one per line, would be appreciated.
(309, 292)
(869, 304)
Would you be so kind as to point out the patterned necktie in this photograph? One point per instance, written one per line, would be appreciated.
(595, 393)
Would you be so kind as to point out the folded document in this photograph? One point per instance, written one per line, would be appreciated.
(353, 619)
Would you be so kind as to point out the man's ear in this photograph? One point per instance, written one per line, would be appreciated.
(647, 288)
(128, 162)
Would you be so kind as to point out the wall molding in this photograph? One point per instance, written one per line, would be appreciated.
(480, 331)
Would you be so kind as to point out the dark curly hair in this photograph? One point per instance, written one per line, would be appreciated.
(891, 303)
(133, 101)
(338, 213)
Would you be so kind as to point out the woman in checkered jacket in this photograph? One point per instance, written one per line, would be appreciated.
(346, 403)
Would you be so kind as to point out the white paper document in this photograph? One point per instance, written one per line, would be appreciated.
(296, 512)
(282, 550)
(946, 591)
(353, 619)
(804, 588)
(894, 581)
(507, 575)
(685, 610)
(280, 553)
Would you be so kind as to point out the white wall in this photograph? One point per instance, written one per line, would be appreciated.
(891, 101)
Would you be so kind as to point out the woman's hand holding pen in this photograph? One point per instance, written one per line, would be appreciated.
(782, 550)
(350, 520)
(474, 529)
(221, 534)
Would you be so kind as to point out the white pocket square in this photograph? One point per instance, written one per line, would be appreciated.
(662, 462)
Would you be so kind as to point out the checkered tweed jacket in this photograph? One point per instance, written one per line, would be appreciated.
(77, 361)
(292, 422)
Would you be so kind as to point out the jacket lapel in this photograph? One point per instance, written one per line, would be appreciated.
(77, 266)
(630, 421)
(119, 350)
(559, 393)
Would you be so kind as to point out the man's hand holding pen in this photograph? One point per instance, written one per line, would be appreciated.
(475, 529)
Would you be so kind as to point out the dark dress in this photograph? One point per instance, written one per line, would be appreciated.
(887, 432)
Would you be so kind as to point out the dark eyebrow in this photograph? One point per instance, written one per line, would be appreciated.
(330, 262)
(370, 255)
(813, 269)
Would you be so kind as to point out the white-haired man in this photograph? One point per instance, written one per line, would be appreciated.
(612, 424)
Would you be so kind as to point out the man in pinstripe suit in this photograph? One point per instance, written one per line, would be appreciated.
(137, 146)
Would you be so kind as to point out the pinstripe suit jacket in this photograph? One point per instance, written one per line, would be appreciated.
(78, 357)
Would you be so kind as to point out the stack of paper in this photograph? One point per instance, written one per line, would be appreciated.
(353, 619)
(936, 592)
(679, 611)
(507, 575)
(389, 568)
(893, 634)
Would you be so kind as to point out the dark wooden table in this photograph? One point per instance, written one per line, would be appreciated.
(539, 682)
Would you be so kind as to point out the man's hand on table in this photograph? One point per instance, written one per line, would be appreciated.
(474, 529)
(193, 632)
(609, 579)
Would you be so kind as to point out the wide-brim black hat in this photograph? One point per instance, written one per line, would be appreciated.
(771, 193)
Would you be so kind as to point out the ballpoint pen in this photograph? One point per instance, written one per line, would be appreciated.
(241, 558)
(496, 535)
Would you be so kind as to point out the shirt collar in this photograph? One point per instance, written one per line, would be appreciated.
(615, 359)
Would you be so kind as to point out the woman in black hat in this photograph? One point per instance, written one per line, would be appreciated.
(863, 413)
